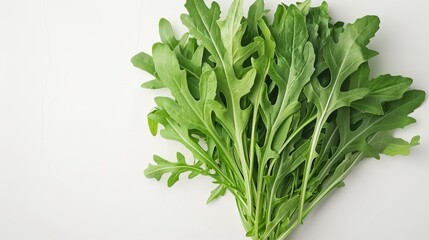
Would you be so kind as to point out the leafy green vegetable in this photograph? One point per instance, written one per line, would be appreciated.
(277, 113)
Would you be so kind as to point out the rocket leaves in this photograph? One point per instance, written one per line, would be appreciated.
(278, 112)
(174, 168)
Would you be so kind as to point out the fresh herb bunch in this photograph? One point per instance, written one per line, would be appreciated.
(277, 113)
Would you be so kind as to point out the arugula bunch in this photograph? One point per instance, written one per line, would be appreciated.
(277, 113)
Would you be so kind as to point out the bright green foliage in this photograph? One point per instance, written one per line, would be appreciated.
(277, 113)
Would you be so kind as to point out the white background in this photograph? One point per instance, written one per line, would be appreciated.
(74, 141)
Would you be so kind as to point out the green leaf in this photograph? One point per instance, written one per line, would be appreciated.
(217, 37)
(343, 58)
(232, 23)
(256, 13)
(153, 84)
(175, 79)
(145, 62)
(218, 192)
(294, 67)
(319, 31)
(166, 33)
(396, 116)
(174, 169)
(153, 125)
(399, 146)
(304, 7)
(382, 89)
(201, 22)
(173, 131)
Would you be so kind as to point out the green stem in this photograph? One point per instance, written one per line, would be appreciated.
(321, 196)
(258, 199)
(252, 146)
(308, 164)
(246, 178)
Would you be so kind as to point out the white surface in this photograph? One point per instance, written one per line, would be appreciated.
(74, 141)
